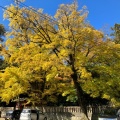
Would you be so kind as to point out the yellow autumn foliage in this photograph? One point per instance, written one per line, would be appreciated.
(41, 50)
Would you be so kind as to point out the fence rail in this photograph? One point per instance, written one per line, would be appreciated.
(71, 109)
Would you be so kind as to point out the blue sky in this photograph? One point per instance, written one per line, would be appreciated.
(103, 14)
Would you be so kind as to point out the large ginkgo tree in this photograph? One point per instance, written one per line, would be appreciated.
(64, 55)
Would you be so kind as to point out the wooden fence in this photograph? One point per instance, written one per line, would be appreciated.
(71, 112)
(71, 109)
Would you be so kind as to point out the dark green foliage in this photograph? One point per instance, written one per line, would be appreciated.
(116, 33)
(2, 32)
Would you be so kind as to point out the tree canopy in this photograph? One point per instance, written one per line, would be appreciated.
(116, 33)
(62, 55)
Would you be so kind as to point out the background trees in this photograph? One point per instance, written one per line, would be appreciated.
(65, 56)
(2, 62)
(2, 33)
(116, 33)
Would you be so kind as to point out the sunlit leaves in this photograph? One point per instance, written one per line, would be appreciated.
(14, 81)
(43, 56)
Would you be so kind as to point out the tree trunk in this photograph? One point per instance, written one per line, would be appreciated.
(80, 95)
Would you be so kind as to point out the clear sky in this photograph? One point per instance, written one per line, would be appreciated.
(103, 14)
